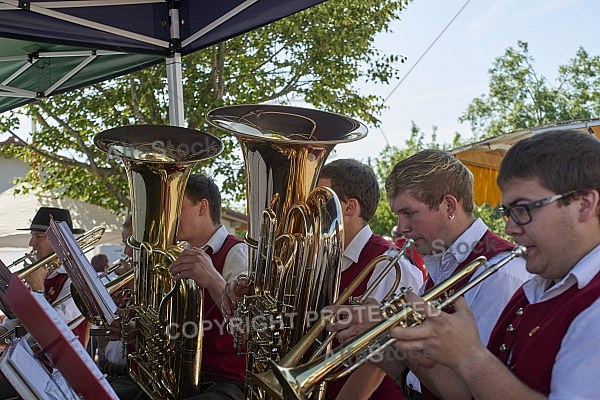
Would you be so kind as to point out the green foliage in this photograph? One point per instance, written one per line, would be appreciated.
(492, 219)
(519, 98)
(317, 56)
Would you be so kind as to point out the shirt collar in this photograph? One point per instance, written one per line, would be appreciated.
(217, 239)
(581, 275)
(353, 249)
(441, 266)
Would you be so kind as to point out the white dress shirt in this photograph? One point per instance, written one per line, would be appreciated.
(410, 274)
(488, 299)
(236, 261)
(576, 371)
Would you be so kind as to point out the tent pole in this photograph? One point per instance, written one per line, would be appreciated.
(174, 75)
(175, 88)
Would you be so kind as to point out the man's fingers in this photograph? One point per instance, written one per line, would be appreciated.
(419, 305)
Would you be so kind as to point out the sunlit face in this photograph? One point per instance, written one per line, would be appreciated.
(418, 222)
(40, 243)
(550, 236)
(188, 220)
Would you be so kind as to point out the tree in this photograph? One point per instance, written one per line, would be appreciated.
(519, 98)
(317, 56)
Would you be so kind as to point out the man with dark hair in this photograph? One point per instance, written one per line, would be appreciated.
(357, 188)
(100, 264)
(545, 342)
(215, 256)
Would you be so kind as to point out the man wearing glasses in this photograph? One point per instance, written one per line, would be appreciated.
(546, 341)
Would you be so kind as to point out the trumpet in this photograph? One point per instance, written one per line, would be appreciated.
(51, 261)
(299, 382)
(113, 286)
(268, 381)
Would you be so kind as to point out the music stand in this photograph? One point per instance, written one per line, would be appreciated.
(57, 342)
(95, 298)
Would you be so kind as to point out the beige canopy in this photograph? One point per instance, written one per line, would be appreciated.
(483, 158)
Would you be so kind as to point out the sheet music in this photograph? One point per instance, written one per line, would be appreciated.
(56, 339)
(95, 297)
(30, 378)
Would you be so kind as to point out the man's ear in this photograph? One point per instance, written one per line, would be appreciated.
(202, 207)
(450, 204)
(351, 206)
(589, 203)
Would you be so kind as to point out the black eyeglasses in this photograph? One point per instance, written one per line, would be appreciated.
(521, 213)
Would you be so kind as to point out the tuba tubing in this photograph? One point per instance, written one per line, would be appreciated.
(299, 382)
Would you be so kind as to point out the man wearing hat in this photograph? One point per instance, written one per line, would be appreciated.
(54, 283)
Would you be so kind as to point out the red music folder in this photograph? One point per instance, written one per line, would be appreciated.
(58, 342)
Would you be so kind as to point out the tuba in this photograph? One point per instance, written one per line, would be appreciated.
(294, 229)
(158, 160)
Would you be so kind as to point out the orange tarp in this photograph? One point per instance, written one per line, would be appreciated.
(483, 158)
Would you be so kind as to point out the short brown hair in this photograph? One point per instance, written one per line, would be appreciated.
(428, 176)
(351, 179)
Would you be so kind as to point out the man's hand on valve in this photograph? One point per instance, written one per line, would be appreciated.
(351, 320)
(234, 291)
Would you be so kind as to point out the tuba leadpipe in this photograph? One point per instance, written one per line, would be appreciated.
(299, 382)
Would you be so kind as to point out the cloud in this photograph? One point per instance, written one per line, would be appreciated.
(513, 10)
(482, 23)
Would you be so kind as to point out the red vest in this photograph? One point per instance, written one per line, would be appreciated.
(52, 288)
(414, 256)
(488, 246)
(219, 356)
(374, 247)
(534, 332)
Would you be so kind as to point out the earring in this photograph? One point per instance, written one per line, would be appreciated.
(450, 216)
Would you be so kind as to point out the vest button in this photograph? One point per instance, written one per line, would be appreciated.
(519, 311)
(503, 348)
(510, 328)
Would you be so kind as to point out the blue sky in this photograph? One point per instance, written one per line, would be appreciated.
(455, 69)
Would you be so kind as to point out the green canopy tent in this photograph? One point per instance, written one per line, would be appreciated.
(50, 47)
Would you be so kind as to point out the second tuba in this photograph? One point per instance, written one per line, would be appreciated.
(163, 359)
(295, 229)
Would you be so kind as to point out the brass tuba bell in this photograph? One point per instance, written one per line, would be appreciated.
(295, 230)
(158, 161)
